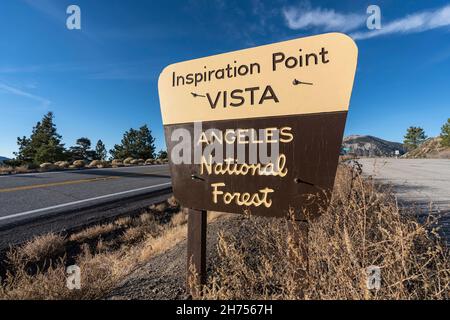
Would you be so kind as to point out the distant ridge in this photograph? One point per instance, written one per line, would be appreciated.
(370, 146)
(3, 159)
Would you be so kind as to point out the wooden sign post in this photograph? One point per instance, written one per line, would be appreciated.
(257, 130)
(196, 248)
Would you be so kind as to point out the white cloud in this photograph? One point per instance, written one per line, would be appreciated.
(417, 22)
(15, 91)
(305, 17)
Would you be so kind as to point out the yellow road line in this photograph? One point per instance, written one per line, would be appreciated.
(53, 184)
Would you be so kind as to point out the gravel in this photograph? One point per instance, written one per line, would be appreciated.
(163, 277)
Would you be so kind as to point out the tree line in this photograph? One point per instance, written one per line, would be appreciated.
(45, 145)
(415, 136)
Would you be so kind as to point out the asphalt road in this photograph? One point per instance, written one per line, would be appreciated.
(422, 184)
(31, 195)
(416, 181)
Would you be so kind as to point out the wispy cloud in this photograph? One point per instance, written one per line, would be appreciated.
(305, 17)
(417, 22)
(18, 92)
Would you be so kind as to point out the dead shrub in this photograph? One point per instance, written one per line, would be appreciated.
(93, 232)
(173, 202)
(79, 164)
(6, 170)
(94, 163)
(135, 234)
(103, 263)
(62, 164)
(124, 221)
(128, 161)
(137, 162)
(160, 207)
(362, 227)
(149, 161)
(104, 164)
(179, 219)
(117, 163)
(146, 218)
(39, 248)
(47, 166)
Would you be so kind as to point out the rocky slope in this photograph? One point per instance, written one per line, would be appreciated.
(431, 148)
(369, 146)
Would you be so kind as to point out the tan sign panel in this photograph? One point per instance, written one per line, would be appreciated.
(301, 76)
(290, 97)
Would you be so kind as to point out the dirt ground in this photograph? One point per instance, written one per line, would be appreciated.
(163, 277)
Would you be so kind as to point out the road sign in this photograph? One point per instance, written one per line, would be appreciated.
(224, 116)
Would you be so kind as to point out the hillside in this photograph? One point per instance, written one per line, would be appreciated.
(431, 148)
(3, 159)
(369, 146)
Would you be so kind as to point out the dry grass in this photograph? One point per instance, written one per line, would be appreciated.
(6, 170)
(99, 164)
(127, 161)
(116, 163)
(105, 254)
(180, 218)
(362, 227)
(15, 170)
(47, 166)
(43, 247)
(62, 164)
(79, 164)
(160, 207)
(431, 148)
(23, 169)
(124, 221)
(93, 232)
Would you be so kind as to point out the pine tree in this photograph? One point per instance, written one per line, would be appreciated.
(445, 134)
(100, 151)
(82, 150)
(44, 144)
(414, 137)
(138, 144)
(162, 154)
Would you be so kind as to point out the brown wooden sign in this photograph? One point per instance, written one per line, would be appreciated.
(258, 130)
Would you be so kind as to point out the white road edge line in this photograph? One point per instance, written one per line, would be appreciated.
(25, 213)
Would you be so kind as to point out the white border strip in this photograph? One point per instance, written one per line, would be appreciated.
(21, 214)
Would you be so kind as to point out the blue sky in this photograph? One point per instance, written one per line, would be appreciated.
(102, 80)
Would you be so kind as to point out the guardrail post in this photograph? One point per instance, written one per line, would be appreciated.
(196, 250)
